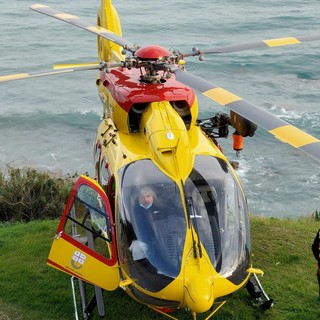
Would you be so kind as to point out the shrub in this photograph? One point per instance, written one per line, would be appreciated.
(316, 215)
(27, 194)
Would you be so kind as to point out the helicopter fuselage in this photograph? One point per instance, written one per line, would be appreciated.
(196, 247)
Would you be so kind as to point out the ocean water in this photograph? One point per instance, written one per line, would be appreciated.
(50, 122)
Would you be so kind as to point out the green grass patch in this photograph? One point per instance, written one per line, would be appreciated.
(32, 290)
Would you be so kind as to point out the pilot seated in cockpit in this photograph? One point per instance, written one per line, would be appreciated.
(158, 233)
(145, 212)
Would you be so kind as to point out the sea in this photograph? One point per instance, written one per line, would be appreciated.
(50, 123)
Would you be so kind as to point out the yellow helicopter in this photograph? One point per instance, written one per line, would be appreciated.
(166, 218)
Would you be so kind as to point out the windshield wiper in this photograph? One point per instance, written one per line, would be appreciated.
(193, 221)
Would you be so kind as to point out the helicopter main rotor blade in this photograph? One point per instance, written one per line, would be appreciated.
(55, 71)
(76, 21)
(282, 130)
(277, 42)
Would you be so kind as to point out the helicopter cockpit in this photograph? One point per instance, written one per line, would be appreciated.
(153, 240)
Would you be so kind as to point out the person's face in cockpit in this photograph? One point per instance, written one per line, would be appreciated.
(146, 199)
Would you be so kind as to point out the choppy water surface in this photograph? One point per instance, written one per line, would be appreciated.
(50, 122)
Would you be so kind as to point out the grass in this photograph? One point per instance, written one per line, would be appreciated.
(32, 290)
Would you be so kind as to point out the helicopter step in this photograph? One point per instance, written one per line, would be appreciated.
(256, 292)
(80, 289)
(97, 299)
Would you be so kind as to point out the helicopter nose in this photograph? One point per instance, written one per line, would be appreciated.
(198, 287)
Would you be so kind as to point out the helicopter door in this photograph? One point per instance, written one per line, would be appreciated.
(85, 245)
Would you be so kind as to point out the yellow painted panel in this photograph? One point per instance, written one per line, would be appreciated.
(65, 16)
(221, 96)
(256, 271)
(293, 136)
(281, 42)
(77, 262)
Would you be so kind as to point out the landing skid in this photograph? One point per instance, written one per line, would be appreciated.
(256, 291)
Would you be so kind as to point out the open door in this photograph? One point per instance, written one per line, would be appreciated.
(85, 245)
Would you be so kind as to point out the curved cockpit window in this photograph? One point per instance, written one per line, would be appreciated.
(219, 215)
(152, 225)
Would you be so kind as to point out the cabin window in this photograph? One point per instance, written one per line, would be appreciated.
(88, 221)
(104, 174)
(97, 153)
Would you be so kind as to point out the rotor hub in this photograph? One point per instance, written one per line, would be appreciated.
(152, 52)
